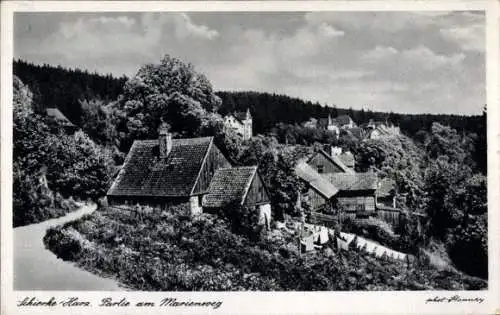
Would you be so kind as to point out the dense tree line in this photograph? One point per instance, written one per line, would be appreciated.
(64, 88)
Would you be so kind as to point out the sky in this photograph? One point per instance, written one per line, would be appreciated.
(407, 62)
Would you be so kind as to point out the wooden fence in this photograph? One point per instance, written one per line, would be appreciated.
(393, 216)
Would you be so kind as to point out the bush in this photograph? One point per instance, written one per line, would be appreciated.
(168, 253)
(378, 231)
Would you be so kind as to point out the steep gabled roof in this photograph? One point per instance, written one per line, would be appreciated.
(240, 116)
(56, 113)
(344, 119)
(315, 180)
(335, 160)
(145, 174)
(357, 132)
(323, 122)
(229, 185)
(353, 181)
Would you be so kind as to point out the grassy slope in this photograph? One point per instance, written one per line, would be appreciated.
(169, 252)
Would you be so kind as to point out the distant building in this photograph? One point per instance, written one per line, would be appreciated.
(166, 171)
(345, 121)
(241, 123)
(311, 123)
(242, 185)
(356, 132)
(57, 115)
(330, 124)
(381, 130)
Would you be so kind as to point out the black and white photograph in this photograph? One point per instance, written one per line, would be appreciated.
(250, 151)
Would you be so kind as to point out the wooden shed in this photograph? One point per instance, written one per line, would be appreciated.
(239, 184)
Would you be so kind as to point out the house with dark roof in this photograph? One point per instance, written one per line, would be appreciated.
(242, 185)
(241, 123)
(166, 171)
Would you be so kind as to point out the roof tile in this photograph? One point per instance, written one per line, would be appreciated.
(353, 181)
(229, 185)
(145, 174)
(317, 182)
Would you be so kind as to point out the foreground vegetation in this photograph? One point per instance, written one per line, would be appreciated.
(166, 251)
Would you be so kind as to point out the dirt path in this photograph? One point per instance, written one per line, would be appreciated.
(37, 268)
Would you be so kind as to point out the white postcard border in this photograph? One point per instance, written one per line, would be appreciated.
(348, 302)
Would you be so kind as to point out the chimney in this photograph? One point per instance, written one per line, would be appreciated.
(335, 151)
(164, 140)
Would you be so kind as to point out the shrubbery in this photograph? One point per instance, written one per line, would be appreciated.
(165, 252)
(377, 231)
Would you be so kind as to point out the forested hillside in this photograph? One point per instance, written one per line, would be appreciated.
(280, 114)
(64, 88)
(270, 109)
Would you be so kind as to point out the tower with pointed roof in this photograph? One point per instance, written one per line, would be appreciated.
(247, 126)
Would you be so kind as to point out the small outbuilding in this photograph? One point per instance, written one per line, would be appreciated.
(239, 184)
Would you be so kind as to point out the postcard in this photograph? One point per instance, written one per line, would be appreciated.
(277, 157)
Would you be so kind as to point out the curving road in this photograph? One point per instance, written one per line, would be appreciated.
(37, 268)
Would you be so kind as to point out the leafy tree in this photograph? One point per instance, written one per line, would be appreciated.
(98, 121)
(469, 246)
(171, 91)
(444, 184)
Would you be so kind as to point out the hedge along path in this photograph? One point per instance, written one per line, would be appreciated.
(37, 268)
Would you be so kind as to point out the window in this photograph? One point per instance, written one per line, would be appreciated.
(320, 169)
